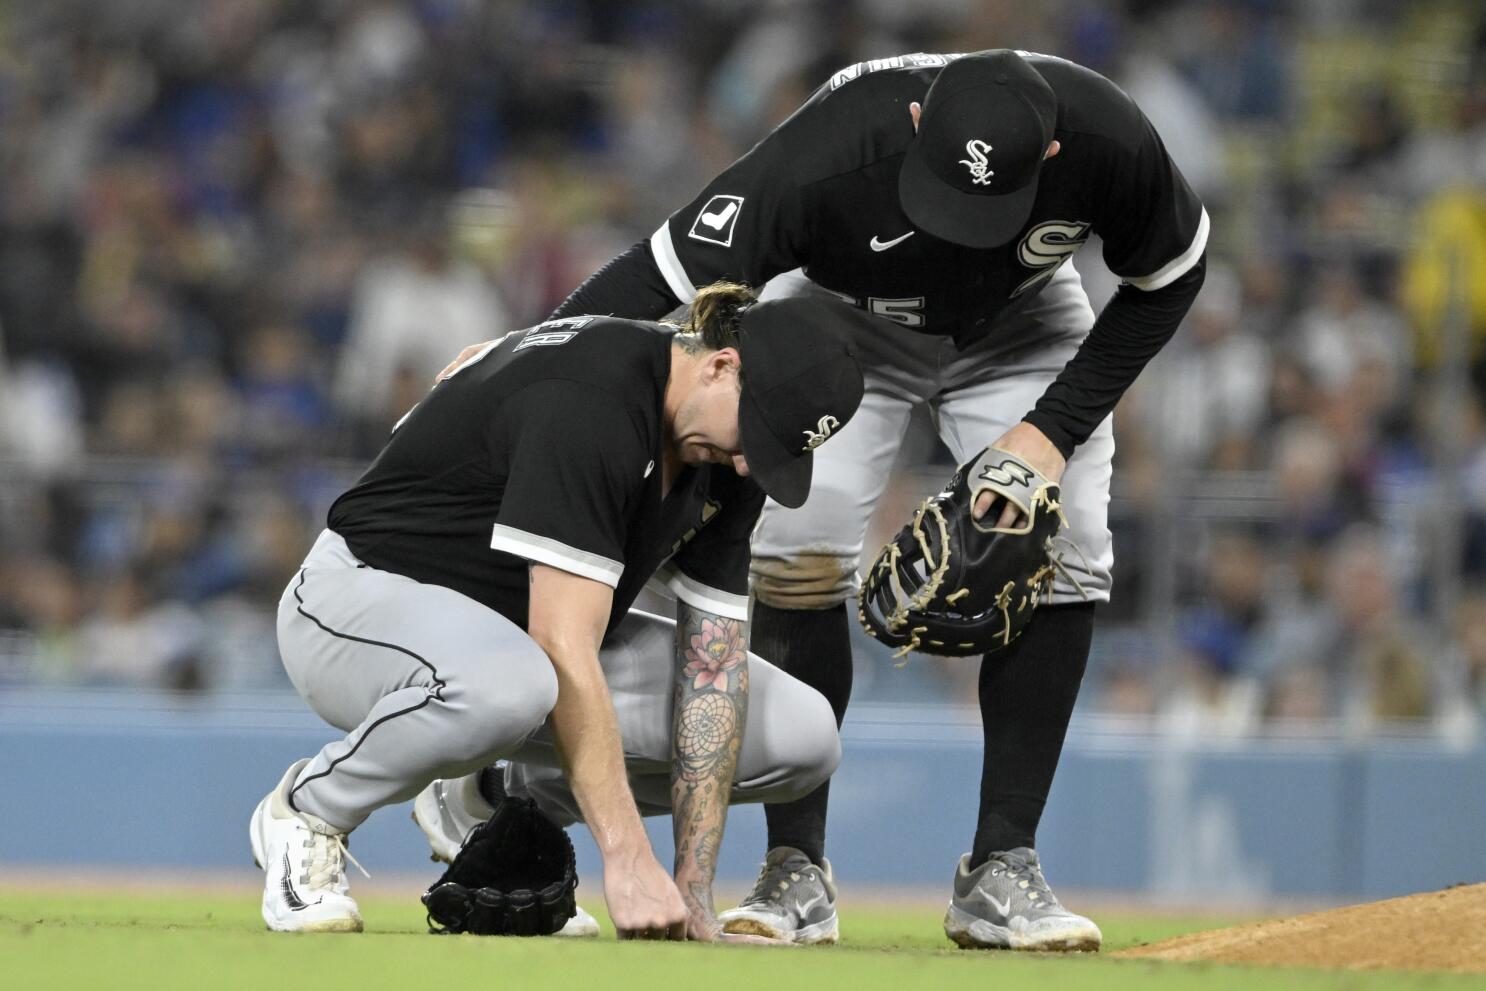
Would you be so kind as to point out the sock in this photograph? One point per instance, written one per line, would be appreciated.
(492, 784)
(813, 645)
(1027, 693)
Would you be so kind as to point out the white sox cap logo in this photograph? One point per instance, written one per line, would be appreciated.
(977, 163)
(1007, 473)
(815, 438)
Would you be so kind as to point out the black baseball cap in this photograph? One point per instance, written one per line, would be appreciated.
(801, 383)
(970, 173)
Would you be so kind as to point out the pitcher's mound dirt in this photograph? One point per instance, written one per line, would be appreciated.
(1437, 930)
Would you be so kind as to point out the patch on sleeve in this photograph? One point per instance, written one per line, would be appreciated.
(716, 220)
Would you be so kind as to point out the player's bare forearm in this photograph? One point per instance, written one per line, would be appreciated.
(587, 735)
(567, 617)
(711, 709)
(643, 902)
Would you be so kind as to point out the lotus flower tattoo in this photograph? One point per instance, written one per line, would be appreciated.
(713, 653)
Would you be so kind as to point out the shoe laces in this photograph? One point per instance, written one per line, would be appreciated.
(773, 881)
(324, 863)
(1027, 877)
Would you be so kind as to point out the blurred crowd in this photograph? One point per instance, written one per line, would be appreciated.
(238, 238)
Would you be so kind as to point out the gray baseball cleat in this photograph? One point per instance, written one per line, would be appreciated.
(1005, 903)
(792, 900)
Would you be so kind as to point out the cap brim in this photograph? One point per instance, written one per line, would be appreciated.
(783, 474)
(975, 220)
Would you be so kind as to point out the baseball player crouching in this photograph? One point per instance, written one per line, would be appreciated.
(942, 197)
(470, 600)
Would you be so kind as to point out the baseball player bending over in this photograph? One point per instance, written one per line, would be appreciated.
(469, 600)
(942, 196)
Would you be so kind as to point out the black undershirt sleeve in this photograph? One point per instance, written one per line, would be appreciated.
(1134, 325)
(629, 286)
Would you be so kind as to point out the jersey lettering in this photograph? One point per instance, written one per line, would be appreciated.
(535, 340)
(918, 60)
(551, 333)
(577, 323)
(1047, 246)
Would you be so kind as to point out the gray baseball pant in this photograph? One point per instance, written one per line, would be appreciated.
(428, 683)
(808, 558)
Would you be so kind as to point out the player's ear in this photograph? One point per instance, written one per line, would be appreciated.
(724, 362)
(914, 111)
(1052, 150)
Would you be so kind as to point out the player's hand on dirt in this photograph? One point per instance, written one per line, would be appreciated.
(643, 900)
(1033, 447)
(464, 356)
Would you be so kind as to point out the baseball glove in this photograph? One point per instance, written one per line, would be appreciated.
(515, 876)
(950, 584)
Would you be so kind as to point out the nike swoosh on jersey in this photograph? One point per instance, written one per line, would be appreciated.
(877, 245)
(717, 220)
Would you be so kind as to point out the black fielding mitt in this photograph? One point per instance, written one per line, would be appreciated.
(949, 584)
(515, 876)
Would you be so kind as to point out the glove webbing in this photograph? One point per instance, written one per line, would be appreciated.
(1040, 582)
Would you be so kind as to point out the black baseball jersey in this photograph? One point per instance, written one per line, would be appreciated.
(546, 448)
(821, 193)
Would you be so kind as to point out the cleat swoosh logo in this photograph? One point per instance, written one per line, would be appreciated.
(286, 887)
(877, 245)
(1003, 907)
(809, 903)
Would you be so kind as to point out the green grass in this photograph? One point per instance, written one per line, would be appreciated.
(66, 940)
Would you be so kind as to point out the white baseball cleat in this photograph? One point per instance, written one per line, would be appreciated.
(449, 810)
(303, 858)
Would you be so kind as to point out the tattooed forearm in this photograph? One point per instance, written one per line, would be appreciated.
(704, 725)
(706, 850)
(711, 709)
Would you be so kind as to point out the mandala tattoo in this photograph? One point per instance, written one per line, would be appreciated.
(704, 729)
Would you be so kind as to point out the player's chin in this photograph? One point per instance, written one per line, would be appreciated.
(696, 454)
